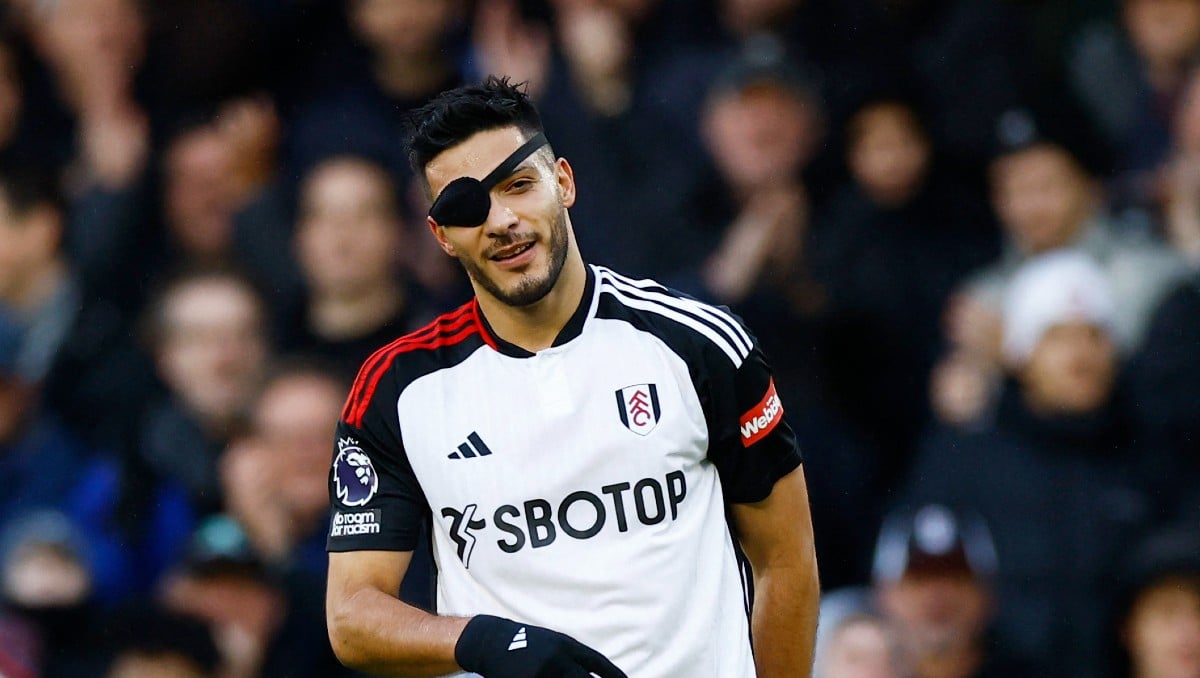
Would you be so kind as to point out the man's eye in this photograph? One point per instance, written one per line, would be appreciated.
(520, 185)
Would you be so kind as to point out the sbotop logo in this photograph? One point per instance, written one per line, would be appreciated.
(582, 514)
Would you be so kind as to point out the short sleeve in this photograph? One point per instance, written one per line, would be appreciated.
(377, 502)
(750, 442)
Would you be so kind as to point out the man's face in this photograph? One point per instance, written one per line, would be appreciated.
(294, 417)
(1042, 197)
(760, 136)
(1071, 369)
(937, 613)
(889, 155)
(28, 245)
(212, 347)
(517, 255)
(1163, 631)
(199, 199)
(862, 649)
(348, 236)
(1163, 31)
(409, 28)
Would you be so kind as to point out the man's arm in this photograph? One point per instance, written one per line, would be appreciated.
(776, 535)
(373, 631)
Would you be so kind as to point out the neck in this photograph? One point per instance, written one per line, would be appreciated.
(536, 326)
(410, 76)
(336, 316)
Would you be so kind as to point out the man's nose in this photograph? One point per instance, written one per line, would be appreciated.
(500, 218)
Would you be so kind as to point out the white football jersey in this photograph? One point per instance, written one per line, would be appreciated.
(583, 488)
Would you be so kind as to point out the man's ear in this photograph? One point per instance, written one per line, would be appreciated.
(439, 234)
(565, 176)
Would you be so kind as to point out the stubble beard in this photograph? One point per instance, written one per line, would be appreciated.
(530, 289)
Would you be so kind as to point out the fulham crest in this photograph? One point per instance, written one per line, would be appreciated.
(638, 407)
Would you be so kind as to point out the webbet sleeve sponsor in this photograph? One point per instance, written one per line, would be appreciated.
(762, 418)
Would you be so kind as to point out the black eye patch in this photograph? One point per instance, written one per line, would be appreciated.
(466, 201)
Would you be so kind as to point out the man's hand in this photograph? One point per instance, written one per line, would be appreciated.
(494, 646)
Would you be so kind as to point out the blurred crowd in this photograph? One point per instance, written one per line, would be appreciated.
(965, 232)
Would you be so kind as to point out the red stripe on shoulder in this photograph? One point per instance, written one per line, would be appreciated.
(446, 330)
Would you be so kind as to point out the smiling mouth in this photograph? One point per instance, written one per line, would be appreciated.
(511, 251)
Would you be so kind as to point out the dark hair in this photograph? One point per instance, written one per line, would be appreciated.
(26, 186)
(152, 325)
(455, 115)
(144, 627)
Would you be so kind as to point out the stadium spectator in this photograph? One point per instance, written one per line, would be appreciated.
(46, 581)
(1179, 190)
(258, 629)
(406, 51)
(1047, 200)
(901, 217)
(933, 584)
(862, 645)
(1058, 455)
(206, 329)
(1158, 606)
(1164, 377)
(148, 641)
(1128, 74)
(594, 72)
(274, 478)
(94, 49)
(353, 247)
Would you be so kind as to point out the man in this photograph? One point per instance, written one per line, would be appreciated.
(1157, 605)
(1056, 474)
(553, 509)
(348, 242)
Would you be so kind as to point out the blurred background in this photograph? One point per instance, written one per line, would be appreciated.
(966, 233)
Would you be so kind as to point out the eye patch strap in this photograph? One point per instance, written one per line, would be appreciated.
(515, 158)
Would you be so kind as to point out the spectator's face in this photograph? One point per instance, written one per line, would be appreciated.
(1162, 632)
(45, 576)
(212, 347)
(937, 613)
(29, 243)
(155, 665)
(403, 28)
(861, 649)
(760, 136)
(348, 237)
(293, 418)
(1041, 196)
(517, 255)
(1071, 369)
(1163, 31)
(199, 194)
(889, 153)
(79, 34)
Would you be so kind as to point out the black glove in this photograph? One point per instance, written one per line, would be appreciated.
(495, 647)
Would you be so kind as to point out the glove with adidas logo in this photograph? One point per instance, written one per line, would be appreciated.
(495, 647)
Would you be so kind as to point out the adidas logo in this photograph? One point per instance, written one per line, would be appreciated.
(474, 447)
(518, 641)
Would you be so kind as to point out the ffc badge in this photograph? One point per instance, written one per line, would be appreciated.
(638, 407)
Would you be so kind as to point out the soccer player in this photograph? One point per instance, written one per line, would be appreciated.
(602, 463)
